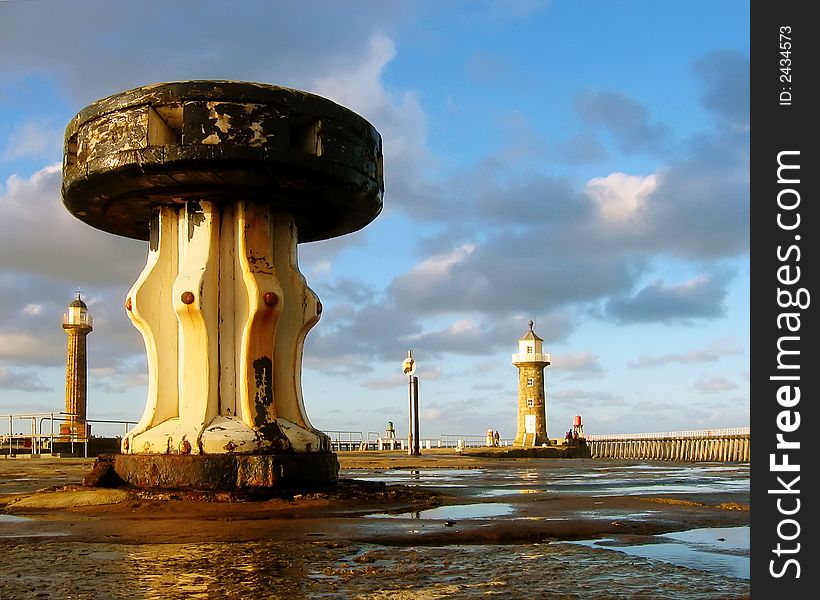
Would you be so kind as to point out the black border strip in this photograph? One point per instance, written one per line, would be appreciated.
(783, 118)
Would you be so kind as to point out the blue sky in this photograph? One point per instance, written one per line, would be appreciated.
(580, 163)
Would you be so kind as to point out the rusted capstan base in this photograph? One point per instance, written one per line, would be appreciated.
(225, 472)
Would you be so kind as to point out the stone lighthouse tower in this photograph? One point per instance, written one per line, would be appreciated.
(532, 401)
(77, 325)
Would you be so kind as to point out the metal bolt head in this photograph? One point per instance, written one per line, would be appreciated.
(270, 299)
(187, 297)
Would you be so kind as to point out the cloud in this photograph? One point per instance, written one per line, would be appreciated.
(531, 244)
(394, 381)
(321, 267)
(590, 397)
(45, 254)
(282, 46)
(38, 235)
(499, 241)
(484, 67)
(32, 310)
(699, 298)
(507, 10)
(521, 271)
(727, 77)
(119, 376)
(32, 138)
(583, 147)
(700, 207)
(624, 118)
(620, 198)
(492, 387)
(712, 353)
(713, 385)
(23, 380)
(396, 114)
(576, 365)
(26, 348)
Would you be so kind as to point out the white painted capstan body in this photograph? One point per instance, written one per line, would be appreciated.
(532, 400)
(224, 312)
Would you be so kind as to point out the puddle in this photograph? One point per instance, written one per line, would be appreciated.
(456, 511)
(25, 532)
(615, 515)
(36, 534)
(723, 550)
(13, 519)
(604, 478)
(106, 555)
(505, 492)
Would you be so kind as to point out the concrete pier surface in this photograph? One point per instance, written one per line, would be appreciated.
(442, 524)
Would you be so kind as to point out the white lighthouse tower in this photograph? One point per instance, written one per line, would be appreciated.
(532, 400)
(77, 325)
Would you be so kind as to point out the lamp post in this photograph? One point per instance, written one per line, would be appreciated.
(408, 365)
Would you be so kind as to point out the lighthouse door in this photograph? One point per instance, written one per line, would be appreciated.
(529, 423)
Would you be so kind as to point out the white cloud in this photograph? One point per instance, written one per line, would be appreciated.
(713, 384)
(588, 397)
(25, 346)
(576, 365)
(360, 88)
(23, 380)
(700, 297)
(396, 114)
(729, 346)
(321, 267)
(432, 273)
(32, 139)
(394, 381)
(32, 310)
(38, 235)
(620, 198)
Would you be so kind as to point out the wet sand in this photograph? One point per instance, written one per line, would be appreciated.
(345, 542)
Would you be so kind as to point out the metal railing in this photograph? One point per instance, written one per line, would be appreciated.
(41, 434)
(694, 433)
(531, 357)
(451, 440)
(346, 440)
(78, 320)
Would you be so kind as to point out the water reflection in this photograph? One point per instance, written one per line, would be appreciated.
(599, 477)
(337, 569)
(723, 550)
(455, 511)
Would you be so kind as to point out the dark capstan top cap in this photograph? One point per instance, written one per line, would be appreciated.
(222, 141)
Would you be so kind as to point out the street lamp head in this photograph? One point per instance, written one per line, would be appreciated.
(408, 365)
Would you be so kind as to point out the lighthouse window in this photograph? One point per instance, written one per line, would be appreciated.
(529, 349)
(530, 402)
(530, 382)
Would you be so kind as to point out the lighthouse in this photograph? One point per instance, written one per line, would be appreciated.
(532, 400)
(77, 325)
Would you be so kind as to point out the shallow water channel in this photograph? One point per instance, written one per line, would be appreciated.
(696, 563)
(714, 551)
